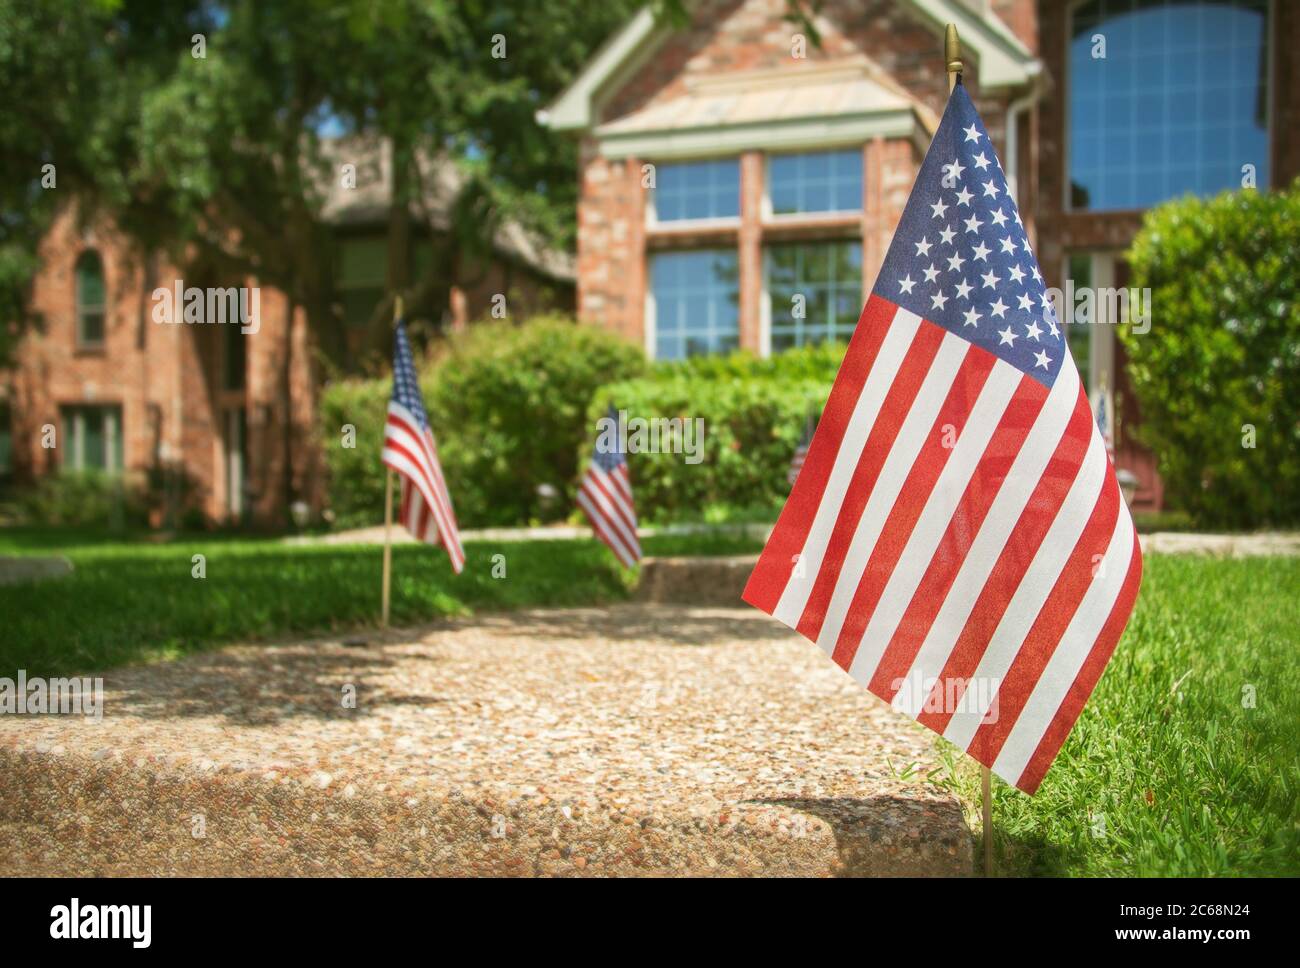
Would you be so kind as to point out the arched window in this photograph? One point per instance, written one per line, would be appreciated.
(91, 299)
(1166, 97)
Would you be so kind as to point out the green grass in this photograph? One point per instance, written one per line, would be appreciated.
(134, 601)
(1168, 772)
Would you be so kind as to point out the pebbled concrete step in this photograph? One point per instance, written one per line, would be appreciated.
(636, 740)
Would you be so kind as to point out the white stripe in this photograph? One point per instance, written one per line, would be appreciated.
(599, 520)
(1003, 515)
(932, 523)
(415, 476)
(912, 435)
(902, 329)
(1036, 584)
(1064, 665)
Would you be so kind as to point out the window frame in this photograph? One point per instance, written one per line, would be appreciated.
(711, 222)
(80, 309)
(770, 217)
(651, 303)
(765, 301)
(73, 416)
(1270, 109)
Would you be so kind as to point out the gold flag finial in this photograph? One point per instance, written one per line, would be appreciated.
(398, 307)
(952, 52)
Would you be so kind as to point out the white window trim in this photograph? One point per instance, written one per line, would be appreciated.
(653, 221)
(828, 215)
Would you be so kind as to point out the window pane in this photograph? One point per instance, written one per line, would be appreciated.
(815, 291)
(697, 190)
(696, 302)
(90, 295)
(1176, 105)
(822, 181)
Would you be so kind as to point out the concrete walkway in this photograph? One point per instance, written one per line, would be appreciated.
(1159, 542)
(632, 740)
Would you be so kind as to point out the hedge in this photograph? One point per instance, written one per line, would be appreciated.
(507, 406)
(1221, 361)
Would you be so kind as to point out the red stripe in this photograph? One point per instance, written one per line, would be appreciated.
(431, 474)
(1022, 544)
(620, 506)
(424, 521)
(916, 490)
(1050, 625)
(880, 441)
(770, 575)
(984, 484)
(625, 540)
(1086, 680)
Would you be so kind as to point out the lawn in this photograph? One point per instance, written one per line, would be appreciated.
(137, 601)
(1186, 761)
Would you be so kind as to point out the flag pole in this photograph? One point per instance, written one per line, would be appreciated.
(388, 515)
(952, 62)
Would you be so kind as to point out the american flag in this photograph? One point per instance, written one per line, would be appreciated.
(801, 451)
(957, 541)
(409, 449)
(605, 495)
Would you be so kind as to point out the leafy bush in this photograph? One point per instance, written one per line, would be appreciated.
(751, 429)
(819, 362)
(507, 405)
(1222, 354)
(83, 498)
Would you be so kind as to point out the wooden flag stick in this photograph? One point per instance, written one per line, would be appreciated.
(952, 63)
(388, 514)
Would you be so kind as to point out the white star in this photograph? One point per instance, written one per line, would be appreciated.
(955, 262)
(1040, 359)
(956, 168)
(1047, 300)
(1032, 331)
(1008, 246)
(931, 273)
(972, 317)
(973, 224)
(1026, 303)
(1024, 243)
(999, 217)
(964, 197)
(982, 252)
(963, 290)
(939, 208)
(1017, 273)
(1051, 325)
(937, 300)
(1008, 337)
(923, 247)
(1016, 212)
(990, 189)
(1038, 275)
(999, 309)
(946, 234)
(981, 162)
(906, 283)
(990, 280)
(972, 133)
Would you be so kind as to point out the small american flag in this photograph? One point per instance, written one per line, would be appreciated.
(409, 449)
(605, 495)
(801, 451)
(956, 540)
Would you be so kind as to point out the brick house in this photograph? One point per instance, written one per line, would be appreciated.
(216, 421)
(729, 165)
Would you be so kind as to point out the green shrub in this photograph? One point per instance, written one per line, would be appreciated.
(507, 405)
(819, 362)
(751, 429)
(1222, 354)
(84, 498)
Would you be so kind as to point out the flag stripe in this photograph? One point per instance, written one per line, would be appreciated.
(923, 573)
(1023, 564)
(798, 583)
(1053, 538)
(403, 453)
(1026, 470)
(600, 524)
(605, 507)
(913, 496)
(919, 382)
(1076, 665)
(768, 580)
